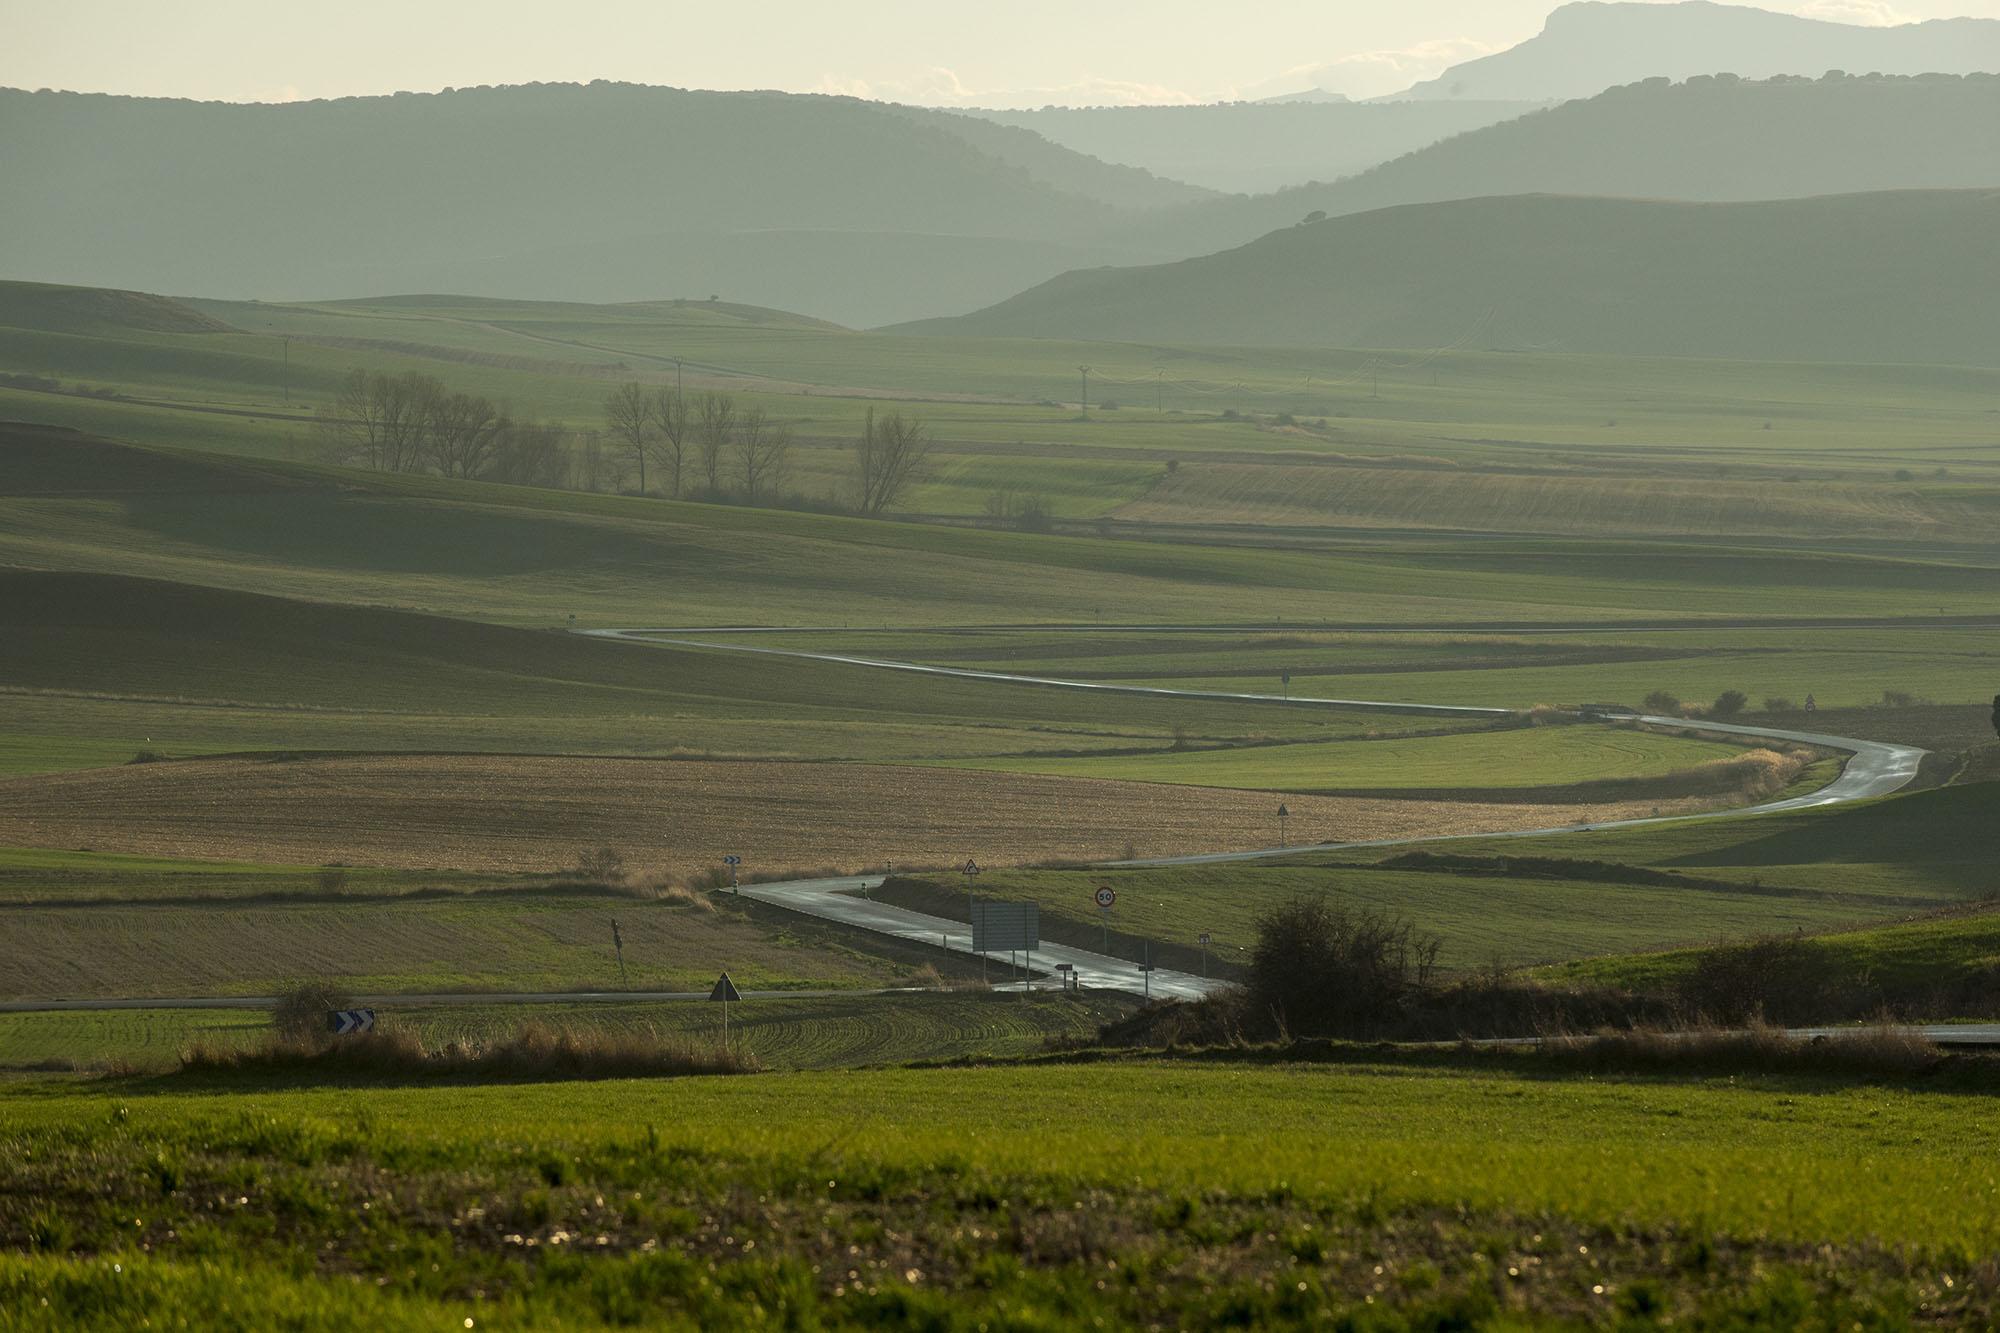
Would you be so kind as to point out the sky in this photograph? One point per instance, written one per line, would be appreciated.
(995, 53)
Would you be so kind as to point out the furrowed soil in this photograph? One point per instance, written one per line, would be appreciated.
(477, 812)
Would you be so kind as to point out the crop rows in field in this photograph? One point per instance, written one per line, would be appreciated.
(506, 813)
(804, 1033)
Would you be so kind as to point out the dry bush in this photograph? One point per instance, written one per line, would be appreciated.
(1785, 978)
(1753, 774)
(927, 977)
(533, 1052)
(300, 1015)
(604, 865)
(682, 896)
(1321, 970)
(1755, 1049)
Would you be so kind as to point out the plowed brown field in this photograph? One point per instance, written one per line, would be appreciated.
(478, 812)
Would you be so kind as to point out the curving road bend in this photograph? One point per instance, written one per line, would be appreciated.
(1873, 768)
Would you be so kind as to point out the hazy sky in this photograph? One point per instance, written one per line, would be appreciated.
(945, 52)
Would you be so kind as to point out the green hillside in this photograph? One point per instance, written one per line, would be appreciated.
(1886, 277)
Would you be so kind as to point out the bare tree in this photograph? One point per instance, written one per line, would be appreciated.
(407, 406)
(763, 448)
(351, 424)
(629, 412)
(384, 421)
(465, 431)
(889, 457)
(670, 416)
(714, 423)
(530, 454)
(598, 468)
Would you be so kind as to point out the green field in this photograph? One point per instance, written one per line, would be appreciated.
(1521, 901)
(1364, 440)
(1027, 1197)
(1501, 760)
(1943, 952)
(1851, 666)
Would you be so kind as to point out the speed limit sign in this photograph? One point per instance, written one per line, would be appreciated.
(1105, 897)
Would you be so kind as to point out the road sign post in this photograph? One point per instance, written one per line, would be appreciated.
(1066, 974)
(725, 991)
(1283, 815)
(1104, 898)
(618, 943)
(1206, 939)
(733, 862)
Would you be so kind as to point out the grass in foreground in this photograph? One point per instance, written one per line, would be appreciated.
(1021, 1197)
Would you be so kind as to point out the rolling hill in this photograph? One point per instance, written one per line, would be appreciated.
(606, 192)
(1253, 147)
(1887, 277)
(1709, 138)
(1588, 47)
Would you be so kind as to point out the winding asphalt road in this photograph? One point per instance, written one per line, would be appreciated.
(1873, 768)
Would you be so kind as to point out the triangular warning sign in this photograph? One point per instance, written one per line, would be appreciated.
(725, 989)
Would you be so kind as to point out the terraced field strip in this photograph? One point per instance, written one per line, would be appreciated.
(817, 1032)
(497, 813)
(1525, 758)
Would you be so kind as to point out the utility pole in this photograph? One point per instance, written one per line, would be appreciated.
(1085, 372)
(680, 382)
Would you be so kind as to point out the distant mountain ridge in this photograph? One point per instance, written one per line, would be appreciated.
(1592, 45)
(415, 191)
(1255, 147)
(1886, 277)
(860, 213)
(1709, 138)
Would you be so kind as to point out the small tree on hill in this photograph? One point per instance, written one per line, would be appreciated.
(1729, 703)
(714, 427)
(889, 456)
(629, 413)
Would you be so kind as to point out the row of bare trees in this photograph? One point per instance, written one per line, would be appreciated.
(709, 441)
(703, 441)
(417, 423)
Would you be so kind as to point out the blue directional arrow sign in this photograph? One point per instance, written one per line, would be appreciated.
(347, 1022)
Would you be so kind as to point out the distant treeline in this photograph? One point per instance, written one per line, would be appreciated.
(701, 446)
(416, 423)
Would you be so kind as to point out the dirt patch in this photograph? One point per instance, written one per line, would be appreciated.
(479, 812)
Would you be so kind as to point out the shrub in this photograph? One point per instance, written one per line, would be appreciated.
(1783, 978)
(1661, 702)
(300, 1015)
(606, 865)
(533, 1051)
(1729, 703)
(1320, 970)
(147, 757)
(1778, 703)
